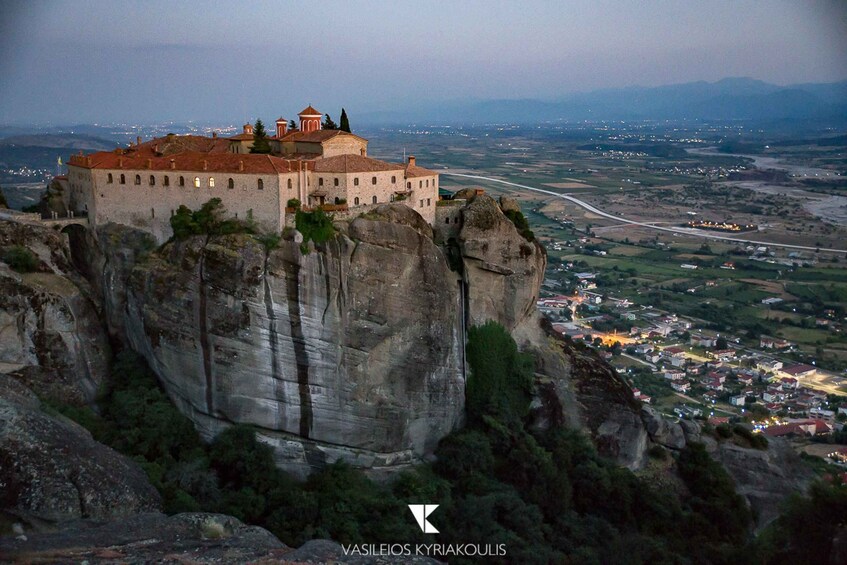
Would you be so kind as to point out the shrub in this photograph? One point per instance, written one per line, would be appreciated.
(208, 220)
(315, 226)
(521, 223)
(20, 259)
(293, 203)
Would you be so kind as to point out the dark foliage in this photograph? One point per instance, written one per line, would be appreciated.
(20, 259)
(345, 122)
(210, 219)
(260, 139)
(520, 221)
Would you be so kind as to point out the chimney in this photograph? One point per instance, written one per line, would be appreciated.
(411, 160)
(281, 127)
(138, 140)
(205, 164)
(248, 128)
(121, 162)
(149, 163)
(240, 166)
(156, 148)
(173, 164)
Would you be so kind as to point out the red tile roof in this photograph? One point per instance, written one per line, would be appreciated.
(353, 164)
(413, 171)
(309, 111)
(798, 369)
(188, 161)
(317, 136)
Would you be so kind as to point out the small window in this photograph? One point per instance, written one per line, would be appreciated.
(230, 183)
(336, 182)
(420, 184)
(373, 180)
(152, 180)
(356, 181)
(320, 181)
(409, 185)
(110, 179)
(181, 181)
(456, 220)
(290, 184)
(391, 198)
(153, 213)
(427, 183)
(196, 182)
(446, 220)
(393, 180)
(166, 181)
(260, 184)
(356, 201)
(137, 179)
(211, 182)
(429, 201)
(421, 206)
(433, 182)
(374, 199)
(123, 179)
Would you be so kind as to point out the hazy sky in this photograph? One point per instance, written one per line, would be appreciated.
(95, 61)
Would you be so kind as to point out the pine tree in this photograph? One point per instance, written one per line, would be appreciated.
(260, 139)
(292, 126)
(328, 123)
(345, 123)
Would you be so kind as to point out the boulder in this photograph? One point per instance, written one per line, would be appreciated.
(507, 203)
(52, 469)
(661, 431)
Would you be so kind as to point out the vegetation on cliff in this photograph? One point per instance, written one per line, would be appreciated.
(314, 226)
(20, 259)
(520, 221)
(210, 219)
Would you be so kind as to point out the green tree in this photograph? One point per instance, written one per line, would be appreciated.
(20, 259)
(721, 343)
(329, 123)
(260, 139)
(292, 125)
(501, 377)
(345, 123)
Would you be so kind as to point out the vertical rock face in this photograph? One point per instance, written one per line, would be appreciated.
(503, 270)
(50, 334)
(353, 352)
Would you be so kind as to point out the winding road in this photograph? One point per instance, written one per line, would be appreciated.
(676, 230)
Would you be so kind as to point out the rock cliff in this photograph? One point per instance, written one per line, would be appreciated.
(51, 335)
(354, 350)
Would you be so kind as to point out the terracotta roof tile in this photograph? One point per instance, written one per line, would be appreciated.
(413, 171)
(353, 164)
(317, 136)
(309, 111)
(193, 161)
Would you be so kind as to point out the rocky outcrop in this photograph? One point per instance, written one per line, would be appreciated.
(183, 538)
(51, 469)
(51, 336)
(503, 271)
(662, 431)
(350, 352)
(764, 477)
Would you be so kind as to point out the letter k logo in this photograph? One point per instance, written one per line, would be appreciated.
(421, 512)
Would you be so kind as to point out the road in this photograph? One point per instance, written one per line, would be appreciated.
(676, 230)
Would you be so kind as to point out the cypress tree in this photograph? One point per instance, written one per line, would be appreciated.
(345, 123)
(292, 125)
(260, 139)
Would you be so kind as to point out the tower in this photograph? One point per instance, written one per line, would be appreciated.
(281, 127)
(310, 119)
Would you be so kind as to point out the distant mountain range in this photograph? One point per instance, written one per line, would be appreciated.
(727, 99)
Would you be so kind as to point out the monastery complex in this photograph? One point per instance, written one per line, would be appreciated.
(143, 185)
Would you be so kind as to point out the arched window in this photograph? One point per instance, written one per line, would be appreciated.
(336, 182)
(166, 181)
(427, 183)
(433, 182)
(391, 198)
(290, 184)
(211, 182)
(137, 179)
(152, 180)
(181, 181)
(409, 185)
(446, 220)
(260, 184)
(420, 184)
(356, 181)
(374, 199)
(356, 201)
(320, 181)
(123, 179)
(109, 179)
(230, 183)
(373, 180)
(196, 182)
